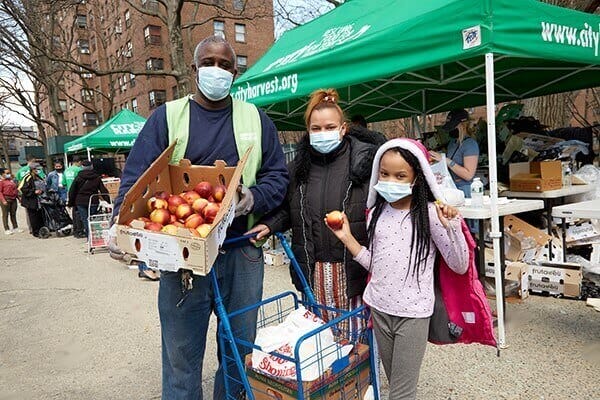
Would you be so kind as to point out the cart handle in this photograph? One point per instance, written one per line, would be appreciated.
(239, 239)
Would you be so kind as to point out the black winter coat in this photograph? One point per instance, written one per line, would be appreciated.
(86, 183)
(28, 197)
(320, 183)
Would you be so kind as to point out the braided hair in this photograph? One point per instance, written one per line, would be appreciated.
(419, 213)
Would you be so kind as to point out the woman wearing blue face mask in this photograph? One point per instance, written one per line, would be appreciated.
(330, 172)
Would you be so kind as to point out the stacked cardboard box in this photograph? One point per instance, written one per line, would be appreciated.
(535, 176)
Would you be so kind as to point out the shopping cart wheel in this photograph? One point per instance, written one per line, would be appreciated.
(44, 232)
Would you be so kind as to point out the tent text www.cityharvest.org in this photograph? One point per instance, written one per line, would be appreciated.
(277, 84)
(121, 143)
(564, 34)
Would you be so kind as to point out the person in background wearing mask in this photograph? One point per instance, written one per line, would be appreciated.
(331, 171)
(70, 175)
(8, 202)
(56, 181)
(31, 187)
(463, 151)
(24, 170)
(210, 126)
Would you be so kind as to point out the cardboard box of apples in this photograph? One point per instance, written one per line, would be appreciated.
(176, 216)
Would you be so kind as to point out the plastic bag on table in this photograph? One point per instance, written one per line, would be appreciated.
(316, 353)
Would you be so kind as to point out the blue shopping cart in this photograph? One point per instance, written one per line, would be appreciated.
(349, 376)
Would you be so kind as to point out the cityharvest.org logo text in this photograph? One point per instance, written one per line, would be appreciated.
(571, 36)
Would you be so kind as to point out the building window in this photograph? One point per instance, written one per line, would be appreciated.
(84, 73)
(81, 21)
(240, 33)
(134, 105)
(156, 98)
(238, 5)
(100, 117)
(131, 80)
(84, 46)
(63, 105)
(119, 26)
(152, 35)
(219, 27)
(127, 19)
(128, 49)
(87, 95)
(89, 119)
(242, 64)
(154, 64)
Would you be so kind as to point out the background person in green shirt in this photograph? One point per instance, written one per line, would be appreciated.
(24, 170)
(70, 175)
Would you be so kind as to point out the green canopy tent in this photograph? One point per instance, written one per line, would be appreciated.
(118, 133)
(391, 59)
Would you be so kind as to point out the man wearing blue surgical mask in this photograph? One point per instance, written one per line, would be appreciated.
(210, 125)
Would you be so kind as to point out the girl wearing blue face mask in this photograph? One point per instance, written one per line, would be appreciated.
(406, 229)
(330, 172)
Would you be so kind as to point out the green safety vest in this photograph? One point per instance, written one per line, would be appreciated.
(247, 130)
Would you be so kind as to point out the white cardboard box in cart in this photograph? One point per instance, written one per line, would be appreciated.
(171, 252)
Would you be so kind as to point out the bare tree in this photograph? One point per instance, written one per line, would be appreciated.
(292, 13)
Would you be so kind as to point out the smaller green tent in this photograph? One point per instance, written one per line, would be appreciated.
(118, 133)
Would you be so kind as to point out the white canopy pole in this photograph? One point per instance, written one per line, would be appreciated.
(89, 155)
(66, 161)
(495, 234)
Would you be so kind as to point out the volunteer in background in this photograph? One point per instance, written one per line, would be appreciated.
(462, 155)
(24, 170)
(203, 125)
(31, 187)
(70, 175)
(56, 181)
(8, 202)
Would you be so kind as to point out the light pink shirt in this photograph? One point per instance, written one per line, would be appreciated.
(393, 289)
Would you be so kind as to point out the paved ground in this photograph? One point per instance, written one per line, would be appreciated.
(78, 326)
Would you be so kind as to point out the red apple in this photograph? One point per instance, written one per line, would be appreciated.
(153, 226)
(190, 197)
(173, 218)
(210, 212)
(193, 221)
(174, 202)
(204, 189)
(199, 204)
(335, 220)
(204, 230)
(178, 224)
(183, 211)
(155, 203)
(170, 229)
(211, 199)
(145, 219)
(162, 195)
(219, 193)
(161, 216)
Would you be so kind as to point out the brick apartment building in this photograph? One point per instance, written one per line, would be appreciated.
(112, 34)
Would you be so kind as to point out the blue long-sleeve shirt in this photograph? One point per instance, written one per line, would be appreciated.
(211, 138)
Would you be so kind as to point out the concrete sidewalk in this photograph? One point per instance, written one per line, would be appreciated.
(79, 326)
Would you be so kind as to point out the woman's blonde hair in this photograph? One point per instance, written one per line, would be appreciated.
(320, 99)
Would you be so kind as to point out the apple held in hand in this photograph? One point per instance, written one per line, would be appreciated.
(335, 220)
(160, 216)
(204, 189)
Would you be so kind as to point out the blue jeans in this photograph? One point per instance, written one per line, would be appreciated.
(184, 317)
(83, 215)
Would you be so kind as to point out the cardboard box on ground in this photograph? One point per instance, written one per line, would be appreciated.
(523, 241)
(349, 383)
(172, 252)
(535, 176)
